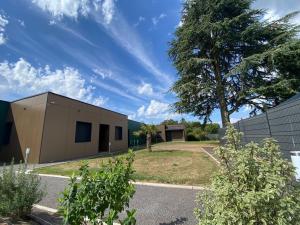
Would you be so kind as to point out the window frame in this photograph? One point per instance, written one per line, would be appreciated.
(118, 133)
(82, 139)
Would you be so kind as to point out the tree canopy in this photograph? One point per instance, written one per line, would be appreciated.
(228, 56)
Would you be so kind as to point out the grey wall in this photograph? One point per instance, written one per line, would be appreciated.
(281, 123)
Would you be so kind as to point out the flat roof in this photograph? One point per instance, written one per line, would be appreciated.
(49, 92)
(175, 127)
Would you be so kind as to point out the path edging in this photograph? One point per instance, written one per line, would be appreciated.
(190, 187)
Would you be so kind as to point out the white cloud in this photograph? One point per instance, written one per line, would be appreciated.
(180, 23)
(23, 78)
(104, 73)
(60, 8)
(156, 110)
(3, 23)
(271, 15)
(108, 10)
(21, 22)
(75, 8)
(155, 20)
(99, 101)
(234, 120)
(145, 89)
(140, 20)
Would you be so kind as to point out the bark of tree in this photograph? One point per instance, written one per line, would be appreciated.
(149, 142)
(221, 95)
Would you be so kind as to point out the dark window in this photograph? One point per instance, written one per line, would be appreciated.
(118, 133)
(7, 133)
(83, 132)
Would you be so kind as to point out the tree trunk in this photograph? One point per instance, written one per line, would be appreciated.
(149, 142)
(221, 95)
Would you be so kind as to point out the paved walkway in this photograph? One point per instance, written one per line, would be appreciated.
(155, 205)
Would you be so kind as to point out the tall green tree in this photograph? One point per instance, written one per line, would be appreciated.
(228, 56)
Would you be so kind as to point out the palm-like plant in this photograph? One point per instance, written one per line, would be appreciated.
(149, 130)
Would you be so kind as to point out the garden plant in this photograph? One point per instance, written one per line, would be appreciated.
(19, 190)
(254, 186)
(99, 196)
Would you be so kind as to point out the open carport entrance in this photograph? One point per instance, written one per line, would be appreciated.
(103, 138)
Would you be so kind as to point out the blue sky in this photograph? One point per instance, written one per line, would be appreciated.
(111, 53)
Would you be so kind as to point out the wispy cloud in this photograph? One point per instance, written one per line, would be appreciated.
(3, 23)
(140, 20)
(127, 38)
(156, 19)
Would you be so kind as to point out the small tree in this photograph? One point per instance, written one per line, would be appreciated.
(149, 130)
(101, 195)
(254, 185)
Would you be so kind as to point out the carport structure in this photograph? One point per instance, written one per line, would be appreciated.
(171, 133)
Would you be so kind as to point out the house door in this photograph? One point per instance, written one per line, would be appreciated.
(295, 156)
(168, 136)
(103, 138)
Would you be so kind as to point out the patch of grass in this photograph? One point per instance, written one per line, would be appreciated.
(163, 166)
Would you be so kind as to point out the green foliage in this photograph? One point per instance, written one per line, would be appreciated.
(212, 128)
(227, 56)
(100, 196)
(149, 129)
(169, 122)
(18, 191)
(199, 132)
(254, 185)
(196, 134)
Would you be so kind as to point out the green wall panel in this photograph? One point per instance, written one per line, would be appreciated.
(132, 127)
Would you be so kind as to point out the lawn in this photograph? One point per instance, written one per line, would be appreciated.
(163, 165)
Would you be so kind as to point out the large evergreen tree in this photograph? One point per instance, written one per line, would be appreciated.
(228, 56)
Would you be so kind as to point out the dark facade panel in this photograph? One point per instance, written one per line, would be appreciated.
(134, 126)
(4, 107)
(281, 123)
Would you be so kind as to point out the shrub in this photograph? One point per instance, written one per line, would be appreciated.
(197, 134)
(254, 185)
(18, 191)
(212, 128)
(100, 195)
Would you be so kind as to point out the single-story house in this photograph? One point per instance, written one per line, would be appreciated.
(171, 133)
(58, 128)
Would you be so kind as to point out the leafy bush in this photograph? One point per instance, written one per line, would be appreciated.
(254, 185)
(18, 191)
(196, 134)
(212, 128)
(100, 195)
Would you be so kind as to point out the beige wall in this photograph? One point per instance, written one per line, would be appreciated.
(27, 116)
(59, 129)
(162, 131)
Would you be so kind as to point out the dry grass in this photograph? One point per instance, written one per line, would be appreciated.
(176, 163)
